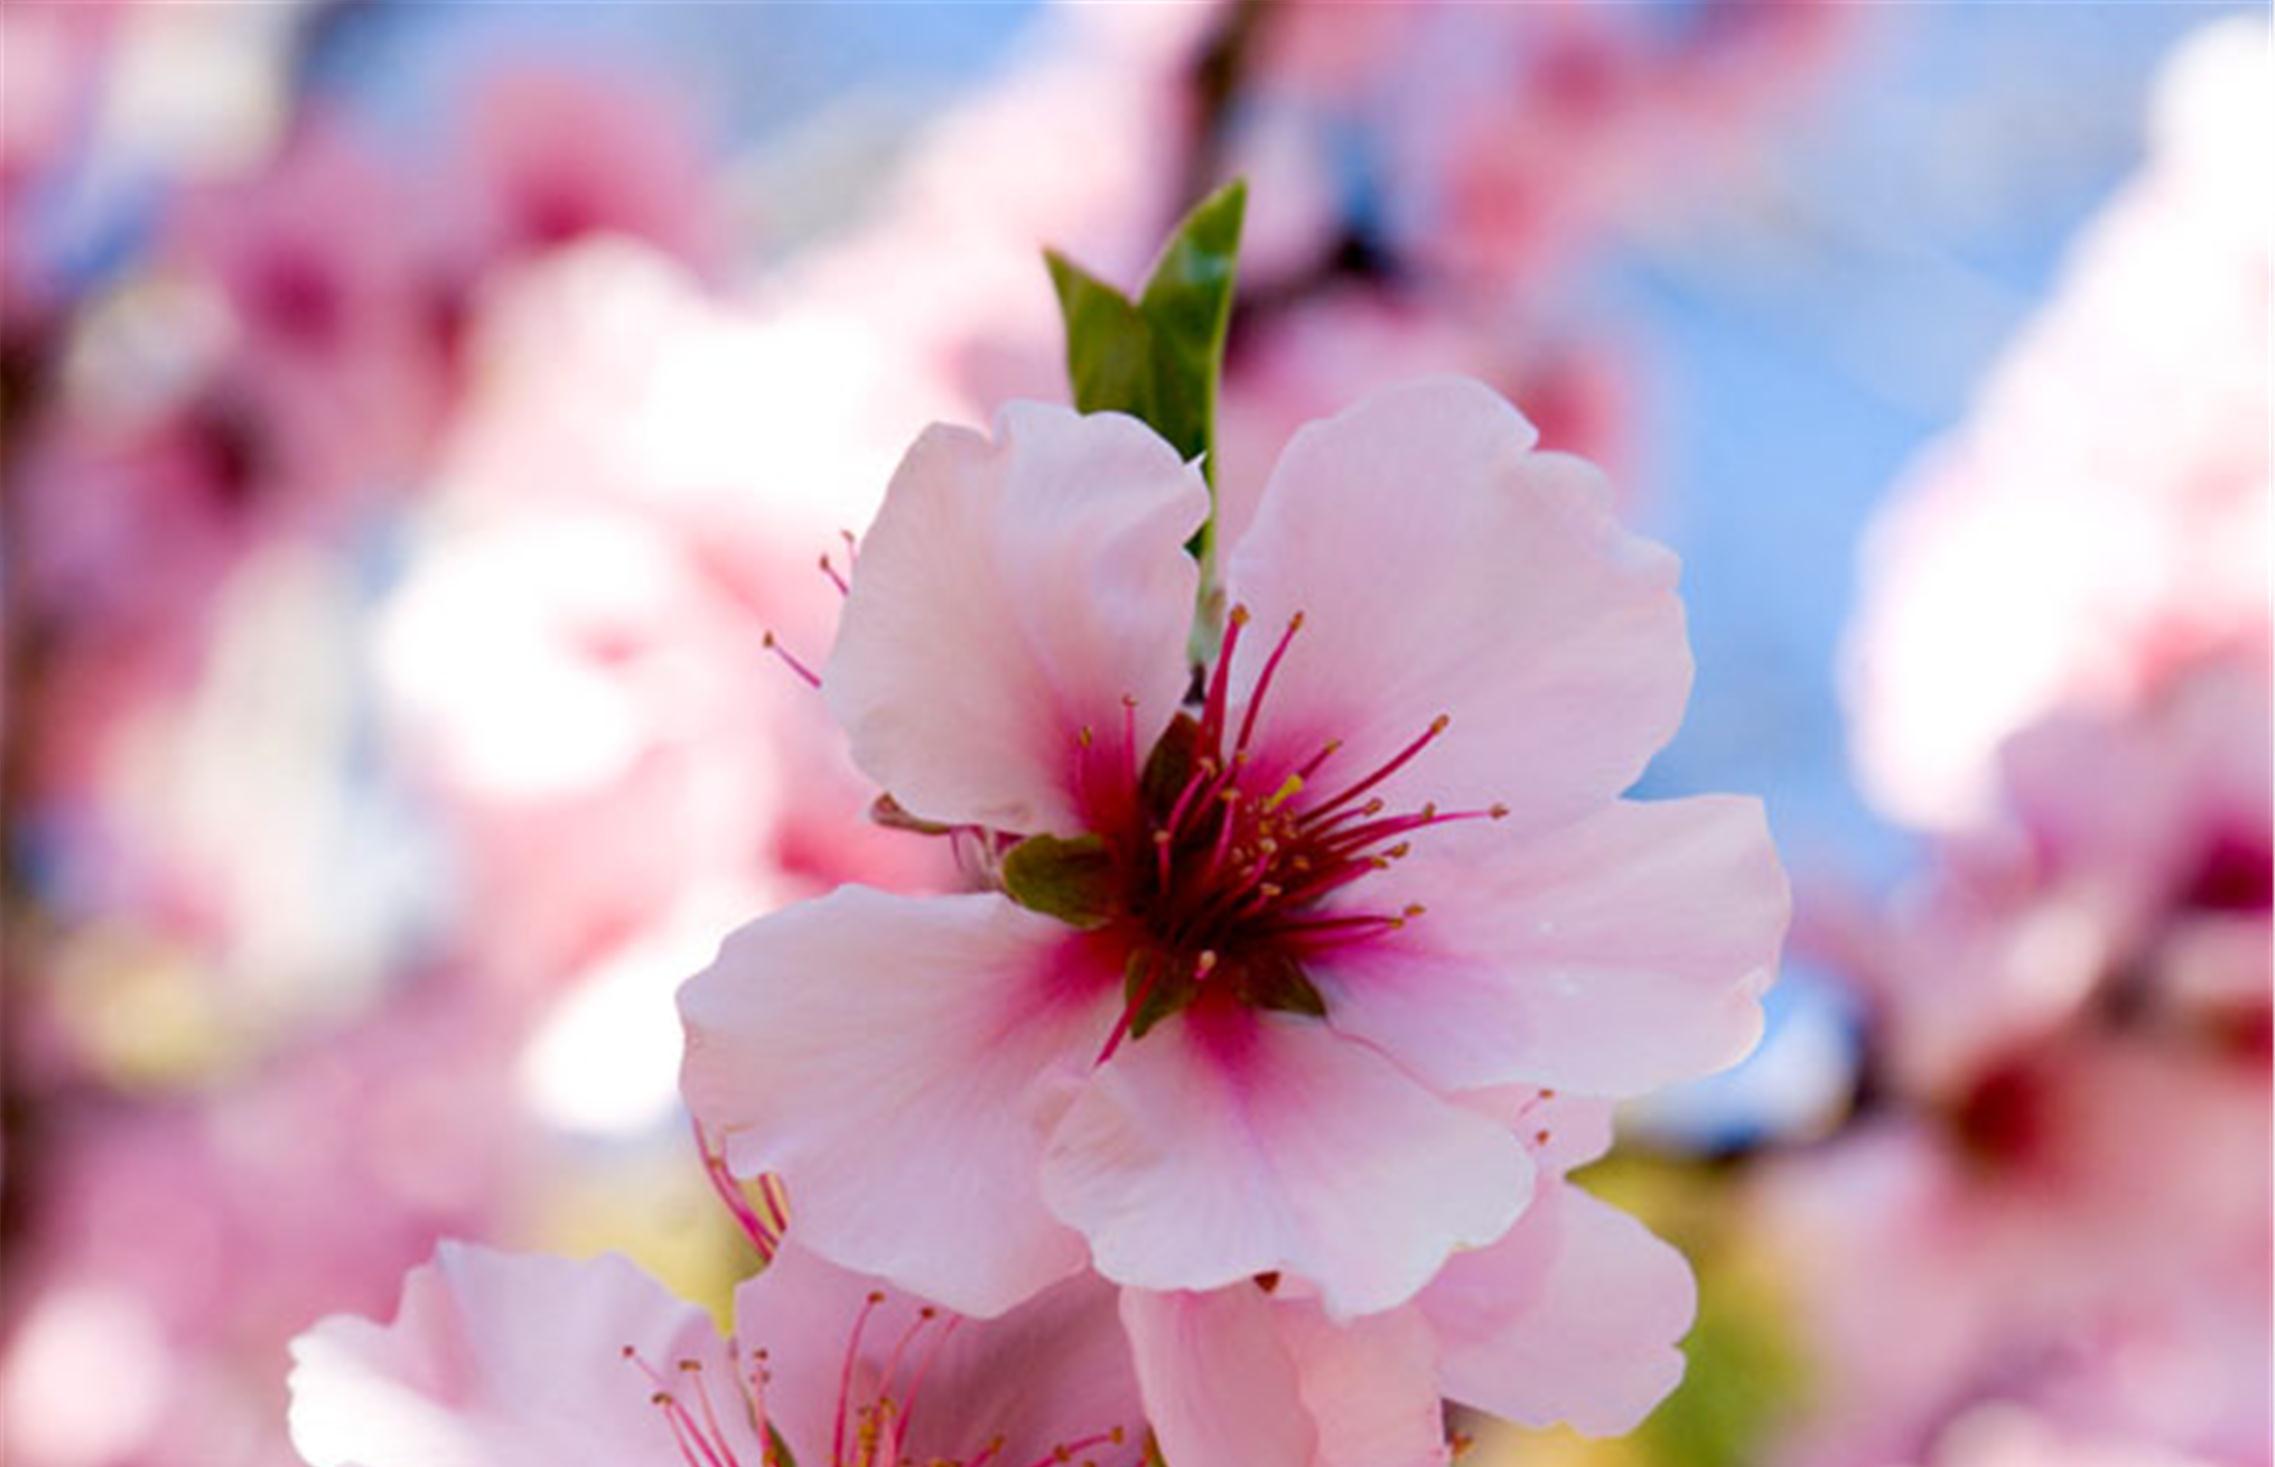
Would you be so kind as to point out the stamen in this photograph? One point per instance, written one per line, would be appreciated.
(777, 1196)
(1220, 680)
(834, 578)
(1398, 761)
(916, 1383)
(1129, 738)
(1064, 1451)
(766, 1239)
(1326, 752)
(845, 1372)
(1264, 680)
(924, 1317)
(773, 644)
(1366, 811)
(693, 1369)
(683, 1434)
(1225, 822)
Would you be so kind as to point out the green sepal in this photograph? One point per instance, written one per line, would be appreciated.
(1154, 986)
(1160, 357)
(1072, 880)
(1275, 981)
(1169, 768)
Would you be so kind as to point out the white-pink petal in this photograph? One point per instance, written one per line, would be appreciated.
(1221, 1389)
(1055, 1371)
(1013, 592)
(1226, 1144)
(895, 1061)
(1574, 1317)
(1613, 955)
(1238, 1377)
(1371, 1385)
(1444, 566)
(505, 1360)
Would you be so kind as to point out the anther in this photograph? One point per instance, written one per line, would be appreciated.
(773, 644)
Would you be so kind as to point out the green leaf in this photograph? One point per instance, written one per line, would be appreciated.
(1160, 357)
(1072, 880)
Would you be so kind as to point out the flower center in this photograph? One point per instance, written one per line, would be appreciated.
(1216, 873)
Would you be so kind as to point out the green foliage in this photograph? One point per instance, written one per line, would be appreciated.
(1159, 358)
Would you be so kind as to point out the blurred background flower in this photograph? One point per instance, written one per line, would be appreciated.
(427, 429)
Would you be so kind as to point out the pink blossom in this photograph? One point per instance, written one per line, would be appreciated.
(2005, 1435)
(2129, 869)
(1379, 862)
(2085, 1231)
(173, 1245)
(1521, 133)
(527, 1361)
(333, 276)
(553, 154)
(568, 663)
(2143, 549)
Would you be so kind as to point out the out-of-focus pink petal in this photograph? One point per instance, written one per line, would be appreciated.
(1371, 1385)
(503, 1360)
(1616, 954)
(1230, 1143)
(1443, 566)
(1012, 593)
(1237, 1377)
(1053, 1372)
(889, 1057)
(1573, 1317)
(1221, 1388)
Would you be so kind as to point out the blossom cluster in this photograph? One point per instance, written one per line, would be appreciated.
(1210, 920)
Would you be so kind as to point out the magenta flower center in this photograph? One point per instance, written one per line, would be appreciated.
(1218, 863)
